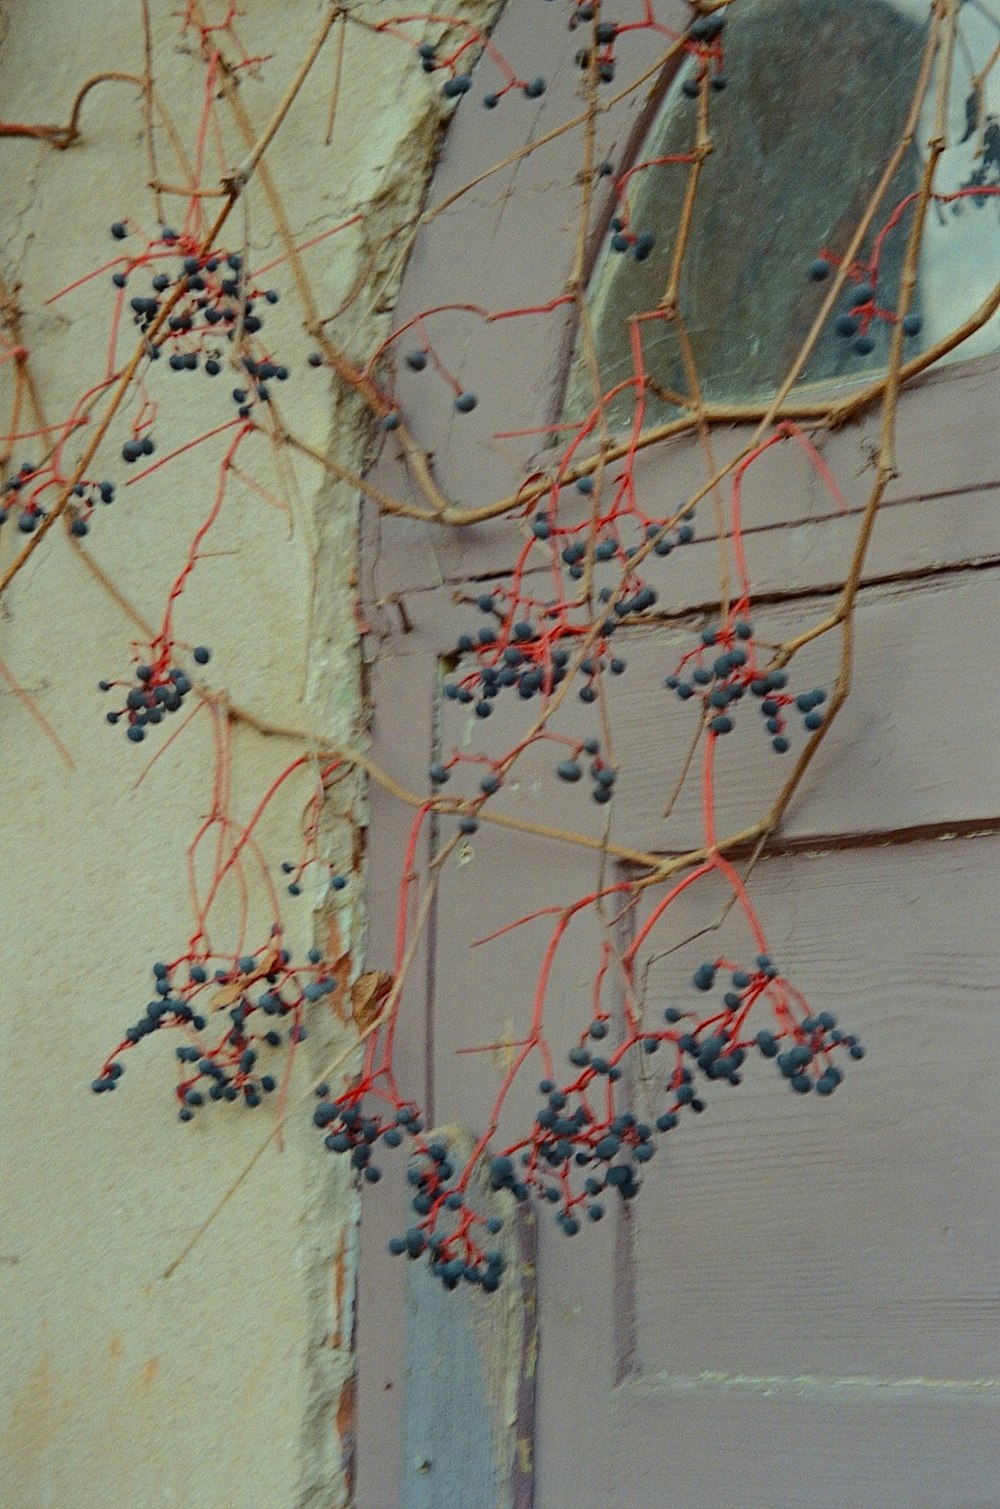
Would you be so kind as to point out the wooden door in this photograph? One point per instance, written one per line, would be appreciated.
(801, 1307)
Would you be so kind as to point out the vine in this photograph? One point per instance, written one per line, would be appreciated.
(184, 297)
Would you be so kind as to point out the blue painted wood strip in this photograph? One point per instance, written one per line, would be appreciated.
(469, 1382)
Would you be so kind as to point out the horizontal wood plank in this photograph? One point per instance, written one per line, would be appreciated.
(911, 746)
(939, 511)
(770, 1448)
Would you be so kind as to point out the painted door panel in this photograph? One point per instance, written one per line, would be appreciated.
(802, 1306)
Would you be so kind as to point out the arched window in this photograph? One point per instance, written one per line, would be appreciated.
(798, 145)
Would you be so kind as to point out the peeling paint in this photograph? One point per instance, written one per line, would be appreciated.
(339, 1286)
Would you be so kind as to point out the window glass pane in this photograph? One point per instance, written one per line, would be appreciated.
(818, 93)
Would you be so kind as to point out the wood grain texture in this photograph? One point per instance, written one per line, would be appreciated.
(787, 1448)
(866, 1223)
(784, 1234)
(912, 747)
(943, 456)
(912, 744)
(806, 1294)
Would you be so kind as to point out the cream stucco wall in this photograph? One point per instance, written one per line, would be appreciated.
(227, 1384)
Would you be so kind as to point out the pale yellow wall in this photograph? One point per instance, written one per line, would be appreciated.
(221, 1385)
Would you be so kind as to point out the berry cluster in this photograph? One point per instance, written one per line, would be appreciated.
(24, 491)
(601, 773)
(724, 679)
(859, 321)
(348, 1130)
(160, 688)
(583, 1145)
(448, 1228)
(705, 46)
(581, 1131)
(511, 655)
(811, 1040)
(137, 447)
(578, 1129)
(85, 496)
(624, 240)
(611, 1146)
(815, 1038)
(581, 518)
(514, 654)
(459, 83)
(229, 1069)
(259, 372)
(602, 56)
(212, 297)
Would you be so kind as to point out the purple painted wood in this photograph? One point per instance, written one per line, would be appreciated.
(893, 938)
(815, 1285)
(506, 245)
(803, 1305)
(907, 750)
(782, 1234)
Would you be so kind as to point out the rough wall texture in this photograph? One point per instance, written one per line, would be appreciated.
(228, 1384)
